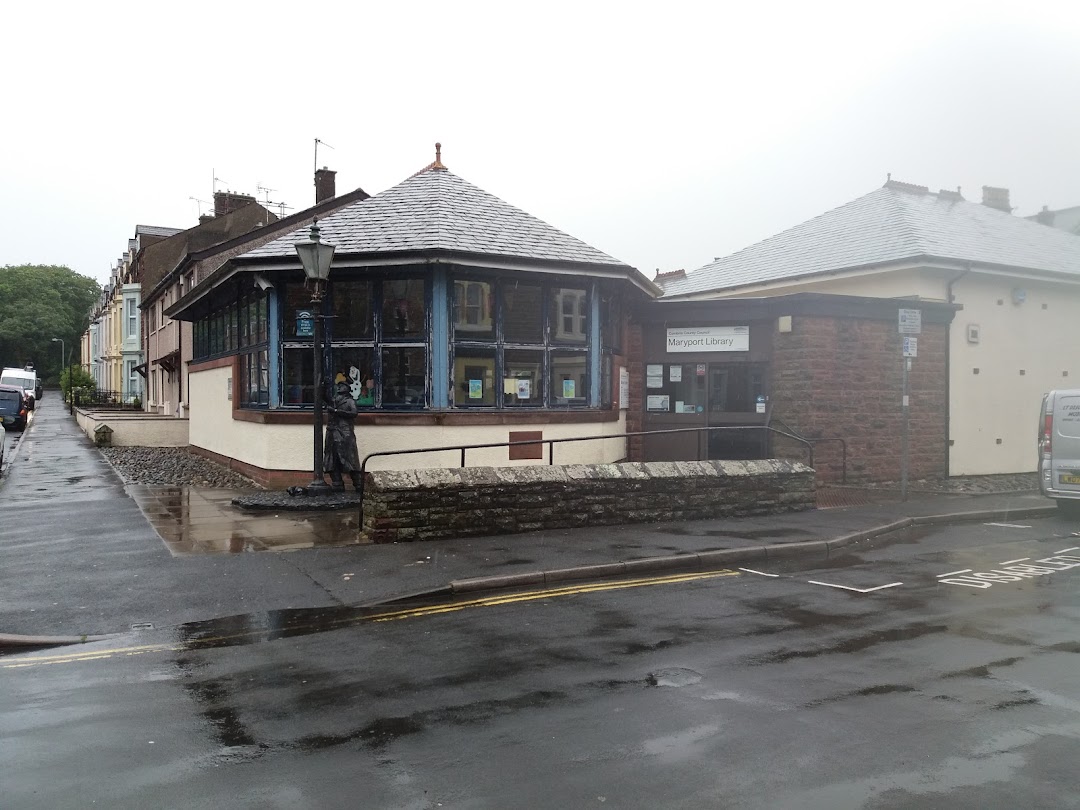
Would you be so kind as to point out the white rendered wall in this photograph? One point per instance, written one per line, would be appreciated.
(1038, 337)
(289, 447)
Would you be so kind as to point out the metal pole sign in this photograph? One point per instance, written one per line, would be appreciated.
(910, 321)
(905, 449)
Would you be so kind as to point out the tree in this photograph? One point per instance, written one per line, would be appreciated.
(38, 303)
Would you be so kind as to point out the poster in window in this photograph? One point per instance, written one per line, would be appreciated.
(524, 389)
(476, 389)
(675, 373)
(654, 382)
(568, 388)
(658, 402)
(656, 370)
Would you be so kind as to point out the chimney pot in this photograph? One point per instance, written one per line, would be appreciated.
(1046, 216)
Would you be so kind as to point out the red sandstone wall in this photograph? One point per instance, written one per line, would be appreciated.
(840, 377)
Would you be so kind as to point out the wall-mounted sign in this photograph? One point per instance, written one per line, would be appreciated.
(624, 388)
(305, 323)
(708, 339)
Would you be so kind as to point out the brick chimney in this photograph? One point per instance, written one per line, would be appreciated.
(204, 218)
(996, 198)
(225, 202)
(1046, 216)
(324, 185)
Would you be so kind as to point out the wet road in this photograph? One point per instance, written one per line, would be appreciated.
(906, 676)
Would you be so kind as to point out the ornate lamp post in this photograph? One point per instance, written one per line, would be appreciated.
(316, 257)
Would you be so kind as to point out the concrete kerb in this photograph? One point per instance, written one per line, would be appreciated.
(708, 560)
(15, 640)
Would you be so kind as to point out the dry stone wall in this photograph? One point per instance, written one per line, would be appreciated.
(441, 503)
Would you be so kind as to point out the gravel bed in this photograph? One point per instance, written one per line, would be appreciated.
(172, 466)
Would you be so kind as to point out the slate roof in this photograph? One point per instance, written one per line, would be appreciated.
(896, 222)
(435, 210)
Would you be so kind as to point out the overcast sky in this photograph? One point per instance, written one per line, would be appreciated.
(664, 134)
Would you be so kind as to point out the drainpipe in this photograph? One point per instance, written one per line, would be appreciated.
(951, 298)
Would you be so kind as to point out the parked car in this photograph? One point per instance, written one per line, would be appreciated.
(23, 378)
(14, 407)
(1059, 449)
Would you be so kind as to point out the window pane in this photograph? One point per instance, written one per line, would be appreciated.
(474, 316)
(263, 318)
(403, 308)
(264, 378)
(354, 317)
(568, 378)
(606, 394)
(611, 323)
(523, 378)
(474, 377)
(570, 310)
(523, 315)
(297, 375)
(356, 366)
(294, 300)
(404, 376)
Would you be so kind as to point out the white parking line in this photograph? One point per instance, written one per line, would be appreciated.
(759, 573)
(857, 590)
(1074, 548)
(1010, 562)
(961, 571)
(1007, 525)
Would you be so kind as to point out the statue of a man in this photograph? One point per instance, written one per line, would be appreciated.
(339, 447)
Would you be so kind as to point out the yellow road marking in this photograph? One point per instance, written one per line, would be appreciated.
(406, 613)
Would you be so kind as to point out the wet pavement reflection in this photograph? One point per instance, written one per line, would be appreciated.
(202, 520)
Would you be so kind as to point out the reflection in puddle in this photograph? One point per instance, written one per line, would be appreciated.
(194, 520)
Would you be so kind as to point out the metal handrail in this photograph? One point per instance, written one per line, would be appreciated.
(552, 442)
(843, 445)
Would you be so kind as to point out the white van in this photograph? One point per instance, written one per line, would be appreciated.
(26, 380)
(1059, 449)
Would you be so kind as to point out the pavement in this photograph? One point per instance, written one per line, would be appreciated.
(84, 555)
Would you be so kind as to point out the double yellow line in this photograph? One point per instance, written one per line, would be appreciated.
(24, 661)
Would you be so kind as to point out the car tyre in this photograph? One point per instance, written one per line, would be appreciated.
(1068, 508)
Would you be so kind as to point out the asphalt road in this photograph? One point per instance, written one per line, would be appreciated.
(804, 689)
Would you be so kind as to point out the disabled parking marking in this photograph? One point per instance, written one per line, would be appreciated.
(1017, 571)
(954, 573)
(1010, 562)
(857, 590)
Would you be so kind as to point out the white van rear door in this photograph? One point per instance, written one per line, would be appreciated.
(1065, 444)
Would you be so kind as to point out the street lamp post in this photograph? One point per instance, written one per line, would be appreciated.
(63, 356)
(316, 257)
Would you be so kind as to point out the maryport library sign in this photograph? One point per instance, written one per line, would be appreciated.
(708, 339)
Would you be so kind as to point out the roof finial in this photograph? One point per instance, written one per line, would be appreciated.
(438, 164)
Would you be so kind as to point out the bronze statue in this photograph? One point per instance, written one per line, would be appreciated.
(339, 453)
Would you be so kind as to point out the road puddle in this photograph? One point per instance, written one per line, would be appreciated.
(198, 520)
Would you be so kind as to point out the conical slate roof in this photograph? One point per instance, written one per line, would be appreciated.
(435, 210)
(896, 222)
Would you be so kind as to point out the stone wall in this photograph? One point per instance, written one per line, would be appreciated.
(439, 503)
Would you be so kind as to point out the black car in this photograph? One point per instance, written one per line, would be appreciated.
(13, 407)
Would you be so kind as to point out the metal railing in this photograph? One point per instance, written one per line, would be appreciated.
(808, 443)
(98, 398)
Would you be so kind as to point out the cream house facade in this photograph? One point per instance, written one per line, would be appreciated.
(1017, 281)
